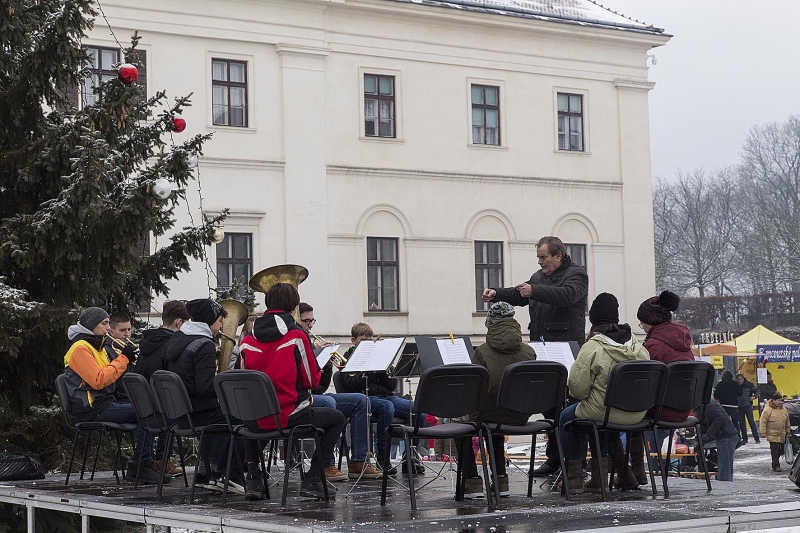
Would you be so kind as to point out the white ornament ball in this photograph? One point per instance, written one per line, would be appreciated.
(191, 160)
(217, 236)
(161, 189)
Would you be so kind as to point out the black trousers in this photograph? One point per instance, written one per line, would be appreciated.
(331, 421)
(733, 412)
(469, 467)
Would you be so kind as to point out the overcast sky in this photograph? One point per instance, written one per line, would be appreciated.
(730, 64)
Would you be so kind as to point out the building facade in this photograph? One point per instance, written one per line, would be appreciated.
(409, 153)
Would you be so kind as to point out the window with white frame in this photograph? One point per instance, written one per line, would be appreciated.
(488, 269)
(234, 259)
(485, 114)
(577, 252)
(379, 106)
(570, 122)
(229, 92)
(383, 282)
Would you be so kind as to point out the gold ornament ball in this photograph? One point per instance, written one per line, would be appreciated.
(217, 236)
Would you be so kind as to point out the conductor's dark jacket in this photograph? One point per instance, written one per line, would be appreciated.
(558, 304)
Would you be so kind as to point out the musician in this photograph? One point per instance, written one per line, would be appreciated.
(352, 405)
(556, 297)
(192, 354)
(118, 336)
(153, 357)
(280, 349)
(382, 397)
(91, 380)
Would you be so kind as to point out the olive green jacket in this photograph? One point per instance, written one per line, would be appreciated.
(503, 347)
(589, 375)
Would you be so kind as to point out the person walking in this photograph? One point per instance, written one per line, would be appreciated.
(775, 425)
(727, 394)
(746, 408)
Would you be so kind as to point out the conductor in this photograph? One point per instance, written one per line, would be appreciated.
(556, 297)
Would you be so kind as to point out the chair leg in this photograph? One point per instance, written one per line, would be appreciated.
(86, 451)
(487, 434)
(72, 456)
(385, 478)
(663, 466)
(118, 456)
(612, 467)
(318, 452)
(560, 459)
(231, 446)
(112, 455)
(603, 487)
(263, 468)
(702, 456)
(410, 471)
(460, 481)
(197, 468)
(180, 458)
(96, 456)
(648, 458)
(287, 461)
(139, 466)
(530, 467)
(626, 458)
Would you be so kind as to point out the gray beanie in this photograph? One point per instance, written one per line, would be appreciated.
(497, 311)
(91, 316)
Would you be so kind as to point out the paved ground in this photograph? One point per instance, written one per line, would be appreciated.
(755, 484)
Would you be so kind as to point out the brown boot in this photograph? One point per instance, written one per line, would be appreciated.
(575, 477)
(593, 485)
(637, 459)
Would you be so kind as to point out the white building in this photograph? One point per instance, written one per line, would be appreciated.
(426, 128)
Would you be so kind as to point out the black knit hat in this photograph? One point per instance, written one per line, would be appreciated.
(604, 310)
(91, 316)
(204, 310)
(658, 309)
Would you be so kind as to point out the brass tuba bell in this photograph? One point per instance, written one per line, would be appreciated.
(237, 315)
(292, 274)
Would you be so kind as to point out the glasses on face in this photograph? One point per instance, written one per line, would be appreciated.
(309, 321)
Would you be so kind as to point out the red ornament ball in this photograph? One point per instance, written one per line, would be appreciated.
(127, 73)
(178, 124)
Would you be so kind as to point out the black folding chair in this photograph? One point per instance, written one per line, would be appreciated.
(532, 387)
(103, 428)
(633, 386)
(447, 391)
(173, 401)
(248, 395)
(689, 384)
(144, 405)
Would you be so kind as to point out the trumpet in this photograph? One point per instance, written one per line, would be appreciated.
(338, 359)
(317, 338)
(121, 344)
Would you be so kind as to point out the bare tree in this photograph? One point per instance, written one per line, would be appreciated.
(663, 234)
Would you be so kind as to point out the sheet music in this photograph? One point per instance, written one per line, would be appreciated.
(370, 356)
(325, 355)
(453, 353)
(558, 352)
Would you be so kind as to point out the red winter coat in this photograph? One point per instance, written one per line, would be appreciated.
(668, 343)
(280, 349)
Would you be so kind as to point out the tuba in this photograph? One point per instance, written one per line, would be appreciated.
(237, 315)
(291, 274)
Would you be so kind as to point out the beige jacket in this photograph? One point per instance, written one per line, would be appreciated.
(774, 423)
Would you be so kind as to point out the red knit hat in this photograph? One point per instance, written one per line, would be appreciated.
(658, 309)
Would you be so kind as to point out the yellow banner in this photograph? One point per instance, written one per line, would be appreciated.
(716, 361)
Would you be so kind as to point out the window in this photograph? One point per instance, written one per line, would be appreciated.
(379, 106)
(234, 258)
(577, 252)
(382, 274)
(102, 65)
(229, 92)
(570, 122)
(485, 115)
(488, 269)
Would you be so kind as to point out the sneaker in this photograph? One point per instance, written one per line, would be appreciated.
(312, 488)
(334, 474)
(418, 468)
(356, 469)
(545, 470)
(253, 487)
(391, 470)
(147, 473)
(502, 486)
(473, 488)
(171, 470)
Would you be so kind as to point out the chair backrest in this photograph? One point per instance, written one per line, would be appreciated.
(170, 394)
(689, 384)
(63, 394)
(452, 390)
(636, 385)
(532, 387)
(338, 384)
(140, 395)
(247, 395)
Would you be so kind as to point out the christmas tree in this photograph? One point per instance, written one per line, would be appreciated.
(82, 188)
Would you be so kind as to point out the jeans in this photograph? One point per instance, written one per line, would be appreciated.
(725, 449)
(745, 417)
(577, 450)
(401, 408)
(354, 408)
(122, 413)
(216, 447)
